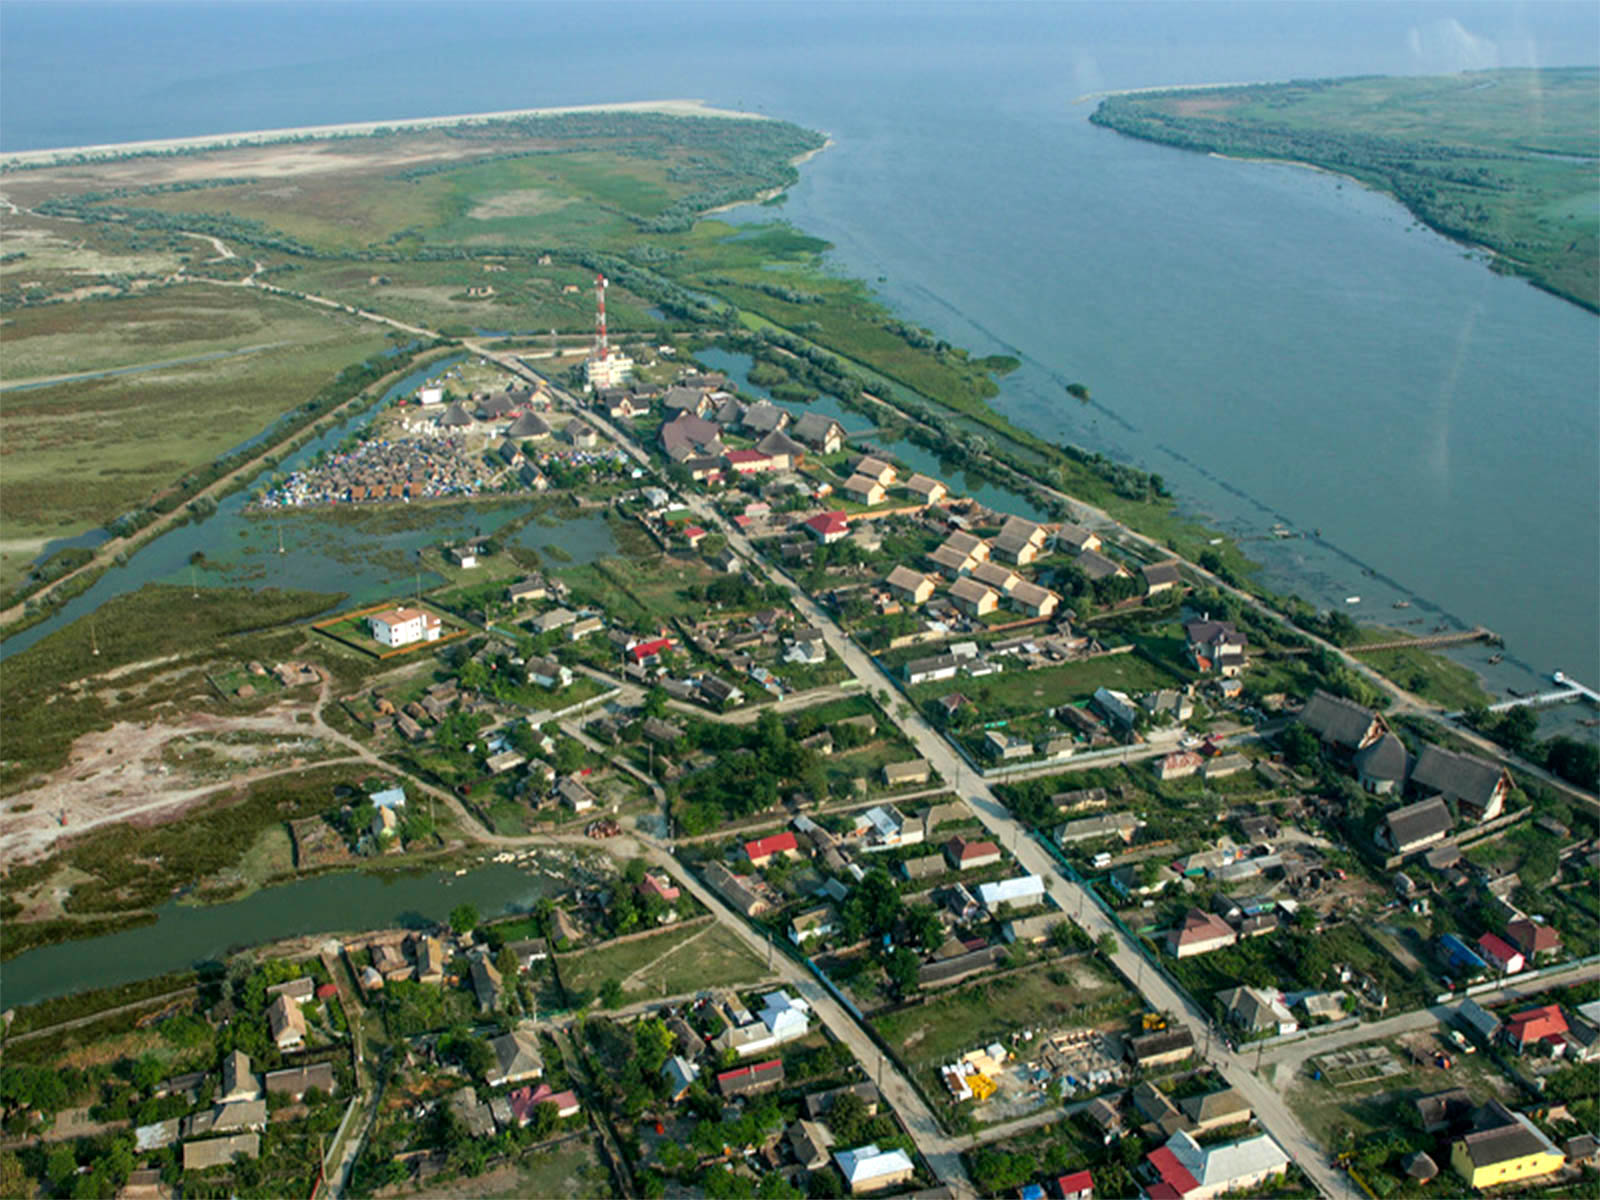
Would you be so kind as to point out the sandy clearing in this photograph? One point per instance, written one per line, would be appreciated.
(66, 154)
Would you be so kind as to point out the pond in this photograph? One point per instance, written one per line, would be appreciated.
(185, 935)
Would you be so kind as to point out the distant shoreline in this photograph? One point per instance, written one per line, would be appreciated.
(222, 141)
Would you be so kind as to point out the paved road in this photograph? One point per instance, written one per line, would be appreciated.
(1290, 1057)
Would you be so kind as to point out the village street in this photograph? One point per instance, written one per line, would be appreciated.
(1158, 993)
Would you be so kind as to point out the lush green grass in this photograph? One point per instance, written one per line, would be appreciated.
(82, 453)
(1029, 691)
(1503, 159)
(671, 962)
(1430, 675)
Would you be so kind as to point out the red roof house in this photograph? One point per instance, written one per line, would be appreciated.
(327, 991)
(829, 527)
(654, 885)
(1175, 1181)
(1504, 956)
(1532, 938)
(1534, 1025)
(761, 851)
(525, 1100)
(964, 855)
(694, 535)
(742, 1081)
(1077, 1186)
(648, 652)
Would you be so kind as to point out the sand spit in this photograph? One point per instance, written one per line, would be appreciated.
(66, 154)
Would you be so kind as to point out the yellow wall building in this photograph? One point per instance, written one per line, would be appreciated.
(1507, 1153)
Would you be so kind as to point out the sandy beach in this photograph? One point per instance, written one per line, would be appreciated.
(66, 154)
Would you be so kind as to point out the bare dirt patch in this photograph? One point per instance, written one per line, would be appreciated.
(125, 773)
(524, 202)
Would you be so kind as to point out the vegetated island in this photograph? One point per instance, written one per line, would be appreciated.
(1501, 159)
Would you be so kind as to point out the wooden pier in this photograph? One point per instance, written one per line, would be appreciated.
(1429, 642)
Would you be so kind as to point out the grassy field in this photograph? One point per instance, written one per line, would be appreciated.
(81, 453)
(1502, 159)
(672, 962)
(1053, 997)
(1029, 691)
(1430, 675)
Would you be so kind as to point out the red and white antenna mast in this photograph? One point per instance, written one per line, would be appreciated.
(602, 349)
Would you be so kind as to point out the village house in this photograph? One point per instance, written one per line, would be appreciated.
(811, 924)
(287, 1023)
(548, 673)
(532, 588)
(1160, 578)
(926, 488)
(1342, 723)
(1505, 1147)
(517, 1058)
(868, 1169)
(572, 792)
(910, 586)
(1382, 766)
(996, 575)
(1477, 788)
(738, 890)
(680, 400)
(829, 527)
(239, 1082)
(1035, 600)
(295, 1082)
(810, 1142)
(932, 669)
(1215, 1110)
(1020, 541)
(1257, 1011)
(864, 489)
(972, 598)
(1410, 828)
(1189, 1171)
(916, 770)
(751, 1080)
(820, 432)
(1116, 707)
(1199, 933)
(430, 960)
(1535, 1026)
(873, 468)
(763, 850)
(403, 626)
(966, 856)
(1215, 647)
(1160, 1048)
(219, 1152)
(1097, 566)
(688, 436)
(680, 1075)
(1536, 941)
(1076, 538)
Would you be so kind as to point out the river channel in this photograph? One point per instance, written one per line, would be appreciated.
(186, 935)
(366, 553)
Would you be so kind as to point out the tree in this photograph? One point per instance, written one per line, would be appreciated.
(1106, 943)
(1300, 746)
(902, 967)
(464, 918)
(60, 1165)
(1518, 727)
(611, 993)
(923, 927)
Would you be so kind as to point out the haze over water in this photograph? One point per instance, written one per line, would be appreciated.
(1280, 345)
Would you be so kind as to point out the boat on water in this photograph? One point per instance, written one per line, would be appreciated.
(1352, 599)
(1402, 604)
(1496, 659)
